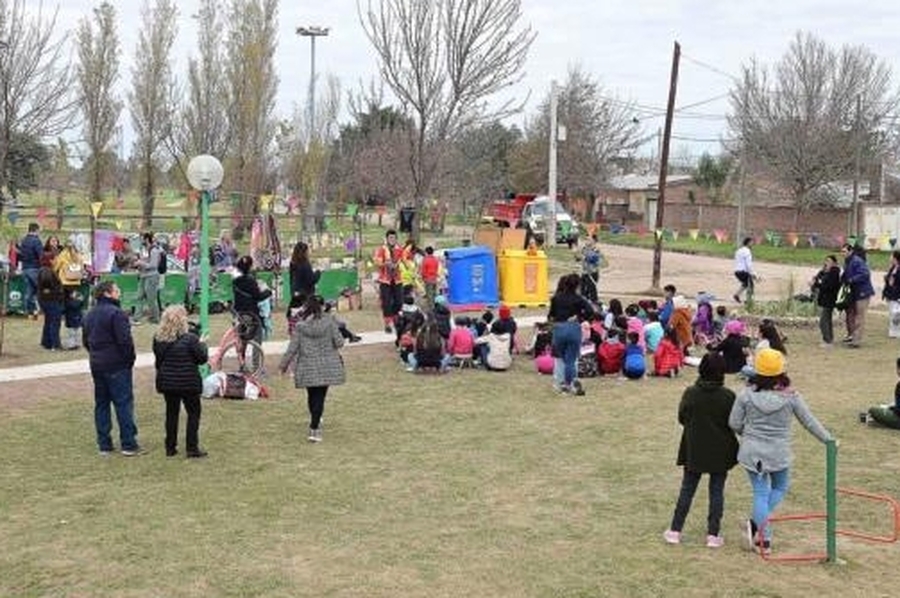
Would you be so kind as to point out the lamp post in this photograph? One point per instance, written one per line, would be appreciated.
(312, 32)
(5, 134)
(205, 174)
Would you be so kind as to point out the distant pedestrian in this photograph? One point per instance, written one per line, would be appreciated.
(30, 252)
(107, 337)
(891, 294)
(859, 278)
(825, 285)
(743, 270)
(148, 268)
(708, 445)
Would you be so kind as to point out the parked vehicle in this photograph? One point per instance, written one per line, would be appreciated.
(527, 210)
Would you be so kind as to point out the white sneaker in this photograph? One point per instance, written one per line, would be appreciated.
(314, 435)
(672, 537)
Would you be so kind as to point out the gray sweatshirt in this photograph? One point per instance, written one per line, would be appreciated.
(763, 420)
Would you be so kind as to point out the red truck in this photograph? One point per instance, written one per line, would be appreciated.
(529, 210)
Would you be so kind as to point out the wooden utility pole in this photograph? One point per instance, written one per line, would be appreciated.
(855, 232)
(663, 168)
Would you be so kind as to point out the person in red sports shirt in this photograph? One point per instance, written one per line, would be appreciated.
(390, 287)
(430, 271)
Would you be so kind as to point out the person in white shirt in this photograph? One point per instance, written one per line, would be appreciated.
(743, 270)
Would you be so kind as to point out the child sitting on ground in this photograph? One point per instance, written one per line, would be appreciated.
(635, 324)
(461, 344)
(442, 316)
(702, 326)
(888, 414)
(494, 349)
(734, 347)
(429, 349)
(719, 320)
(408, 312)
(611, 354)
(667, 358)
(407, 343)
(653, 331)
(634, 366)
(508, 325)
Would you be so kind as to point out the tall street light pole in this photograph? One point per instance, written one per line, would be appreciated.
(5, 133)
(312, 32)
(205, 174)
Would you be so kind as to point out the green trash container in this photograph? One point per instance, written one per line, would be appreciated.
(129, 284)
(14, 289)
(333, 282)
(174, 291)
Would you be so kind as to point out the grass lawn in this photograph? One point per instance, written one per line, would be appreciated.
(467, 484)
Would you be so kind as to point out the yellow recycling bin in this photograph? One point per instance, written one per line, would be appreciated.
(524, 278)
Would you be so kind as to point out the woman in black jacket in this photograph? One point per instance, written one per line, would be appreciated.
(825, 285)
(891, 294)
(303, 277)
(178, 352)
(248, 294)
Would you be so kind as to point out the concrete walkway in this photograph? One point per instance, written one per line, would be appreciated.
(146, 360)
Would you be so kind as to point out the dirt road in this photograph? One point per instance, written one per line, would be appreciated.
(629, 272)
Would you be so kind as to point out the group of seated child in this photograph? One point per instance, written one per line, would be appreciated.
(619, 339)
(427, 340)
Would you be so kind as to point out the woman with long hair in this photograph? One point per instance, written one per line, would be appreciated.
(178, 352)
(313, 354)
(568, 309)
(303, 277)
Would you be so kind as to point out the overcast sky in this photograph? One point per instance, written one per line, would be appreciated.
(625, 45)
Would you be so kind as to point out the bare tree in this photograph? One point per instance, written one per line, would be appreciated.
(252, 83)
(800, 121)
(443, 59)
(97, 73)
(153, 97)
(599, 129)
(35, 75)
(202, 125)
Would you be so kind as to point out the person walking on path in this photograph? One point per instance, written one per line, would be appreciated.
(148, 267)
(762, 416)
(825, 285)
(387, 259)
(708, 445)
(313, 352)
(743, 270)
(107, 337)
(891, 294)
(31, 250)
(859, 278)
(178, 354)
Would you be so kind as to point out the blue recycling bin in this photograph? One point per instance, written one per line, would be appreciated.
(471, 277)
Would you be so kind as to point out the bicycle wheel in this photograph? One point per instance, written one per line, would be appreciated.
(254, 359)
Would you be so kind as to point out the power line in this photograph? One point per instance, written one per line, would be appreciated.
(710, 67)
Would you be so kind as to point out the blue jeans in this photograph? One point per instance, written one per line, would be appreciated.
(53, 312)
(768, 492)
(116, 389)
(567, 344)
(31, 276)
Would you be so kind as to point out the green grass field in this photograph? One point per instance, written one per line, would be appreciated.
(471, 483)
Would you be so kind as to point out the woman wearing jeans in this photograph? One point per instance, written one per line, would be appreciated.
(313, 353)
(567, 310)
(762, 416)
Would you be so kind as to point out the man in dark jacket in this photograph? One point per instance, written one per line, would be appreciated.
(107, 336)
(30, 252)
(857, 275)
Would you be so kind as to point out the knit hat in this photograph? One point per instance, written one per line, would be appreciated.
(769, 363)
(505, 312)
(734, 327)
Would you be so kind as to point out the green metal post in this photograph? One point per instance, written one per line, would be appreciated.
(831, 500)
(204, 268)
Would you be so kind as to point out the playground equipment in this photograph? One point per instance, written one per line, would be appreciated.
(830, 517)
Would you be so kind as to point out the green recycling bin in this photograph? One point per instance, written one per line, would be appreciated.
(174, 291)
(14, 291)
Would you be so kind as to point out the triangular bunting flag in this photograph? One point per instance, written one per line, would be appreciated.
(96, 208)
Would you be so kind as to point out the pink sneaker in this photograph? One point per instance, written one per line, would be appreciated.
(715, 541)
(672, 537)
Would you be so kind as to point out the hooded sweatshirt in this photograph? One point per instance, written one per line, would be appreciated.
(763, 420)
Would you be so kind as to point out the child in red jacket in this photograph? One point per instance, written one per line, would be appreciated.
(610, 354)
(668, 356)
(430, 271)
